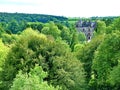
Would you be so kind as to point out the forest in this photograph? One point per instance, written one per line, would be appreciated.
(46, 52)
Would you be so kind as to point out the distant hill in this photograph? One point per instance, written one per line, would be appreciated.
(7, 17)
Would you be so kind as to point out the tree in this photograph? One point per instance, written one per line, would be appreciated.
(114, 77)
(67, 73)
(77, 47)
(55, 58)
(106, 57)
(23, 58)
(1, 31)
(101, 27)
(13, 26)
(74, 40)
(51, 29)
(81, 37)
(116, 24)
(109, 29)
(9, 39)
(3, 27)
(65, 34)
(39, 27)
(32, 80)
(3, 53)
(86, 54)
(108, 21)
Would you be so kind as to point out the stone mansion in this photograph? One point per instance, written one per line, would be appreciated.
(87, 27)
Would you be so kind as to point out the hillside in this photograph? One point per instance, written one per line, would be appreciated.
(45, 52)
(7, 17)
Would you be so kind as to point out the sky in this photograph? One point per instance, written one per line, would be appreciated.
(68, 8)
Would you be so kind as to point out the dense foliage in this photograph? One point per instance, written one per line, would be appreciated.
(44, 52)
(6, 17)
(32, 80)
(55, 58)
(17, 22)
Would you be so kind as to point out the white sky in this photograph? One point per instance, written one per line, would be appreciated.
(69, 8)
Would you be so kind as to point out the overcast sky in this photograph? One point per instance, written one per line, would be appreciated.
(69, 8)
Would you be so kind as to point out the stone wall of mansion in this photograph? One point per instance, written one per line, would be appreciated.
(87, 27)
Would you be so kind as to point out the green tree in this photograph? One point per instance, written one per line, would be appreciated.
(86, 54)
(1, 29)
(109, 29)
(101, 27)
(34, 48)
(106, 57)
(3, 53)
(31, 81)
(114, 77)
(65, 34)
(77, 47)
(9, 39)
(13, 26)
(39, 27)
(74, 40)
(116, 24)
(81, 37)
(51, 29)
(108, 21)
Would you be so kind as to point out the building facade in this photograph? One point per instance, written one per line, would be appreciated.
(87, 27)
